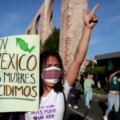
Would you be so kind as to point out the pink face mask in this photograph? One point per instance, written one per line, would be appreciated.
(51, 74)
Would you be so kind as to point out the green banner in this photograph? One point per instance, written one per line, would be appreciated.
(19, 73)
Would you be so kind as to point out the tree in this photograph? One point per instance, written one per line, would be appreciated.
(52, 43)
(97, 69)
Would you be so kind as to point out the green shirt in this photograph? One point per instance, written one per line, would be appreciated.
(114, 85)
(88, 83)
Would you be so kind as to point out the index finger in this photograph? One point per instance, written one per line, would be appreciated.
(94, 9)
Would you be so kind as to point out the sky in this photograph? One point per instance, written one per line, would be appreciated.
(16, 15)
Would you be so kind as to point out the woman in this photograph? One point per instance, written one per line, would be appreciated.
(88, 83)
(113, 94)
(73, 96)
(54, 87)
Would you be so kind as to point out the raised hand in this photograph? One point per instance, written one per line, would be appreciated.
(89, 18)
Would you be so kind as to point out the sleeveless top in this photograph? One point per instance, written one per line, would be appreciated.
(114, 85)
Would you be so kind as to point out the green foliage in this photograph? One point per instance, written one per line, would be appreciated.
(52, 43)
(90, 63)
(99, 90)
(96, 69)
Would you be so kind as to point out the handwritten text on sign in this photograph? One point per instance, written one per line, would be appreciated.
(19, 68)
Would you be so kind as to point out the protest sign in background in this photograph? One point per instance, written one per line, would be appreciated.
(19, 73)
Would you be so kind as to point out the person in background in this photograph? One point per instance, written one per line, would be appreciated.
(73, 96)
(88, 83)
(113, 94)
(82, 78)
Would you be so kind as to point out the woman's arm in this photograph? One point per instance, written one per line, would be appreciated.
(112, 75)
(90, 21)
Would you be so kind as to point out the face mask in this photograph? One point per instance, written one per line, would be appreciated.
(51, 74)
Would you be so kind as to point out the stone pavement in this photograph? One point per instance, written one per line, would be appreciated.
(98, 107)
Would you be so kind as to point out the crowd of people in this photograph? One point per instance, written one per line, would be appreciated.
(112, 90)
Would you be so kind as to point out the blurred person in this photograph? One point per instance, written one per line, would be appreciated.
(88, 83)
(73, 97)
(113, 94)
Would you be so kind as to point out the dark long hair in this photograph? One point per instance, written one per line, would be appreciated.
(43, 57)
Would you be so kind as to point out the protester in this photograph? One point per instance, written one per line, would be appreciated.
(73, 96)
(82, 78)
(88, 88)
(113, 94)
(53, 86)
